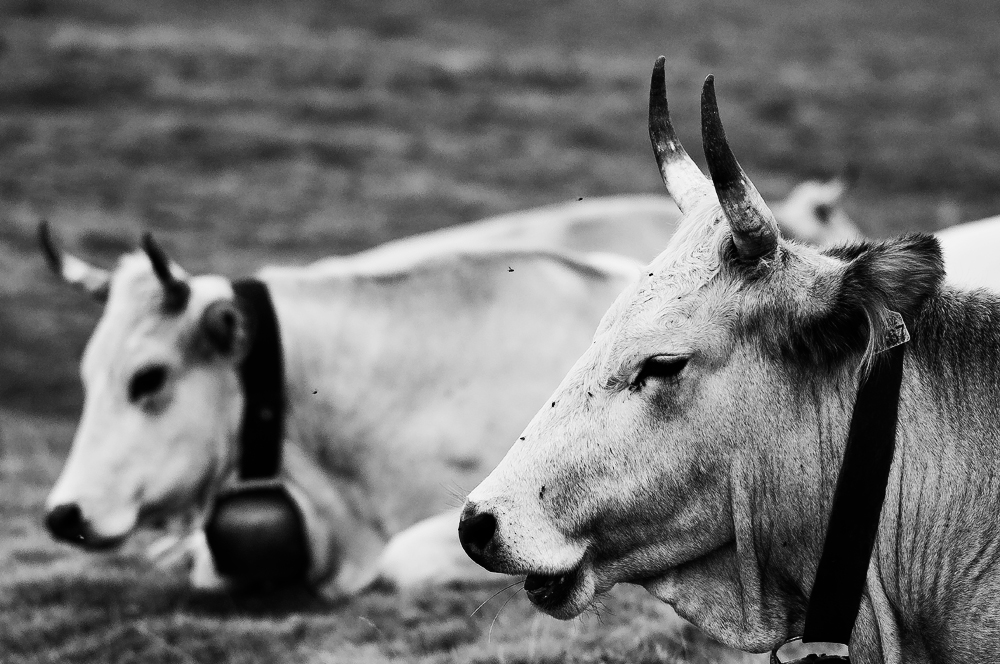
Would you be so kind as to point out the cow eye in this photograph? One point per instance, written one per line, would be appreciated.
(658, 366)
(146, 382)
(823, 212)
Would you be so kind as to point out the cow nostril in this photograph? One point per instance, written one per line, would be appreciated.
(475, 533)
(65, 522)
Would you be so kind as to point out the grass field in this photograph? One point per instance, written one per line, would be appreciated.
(245, 132)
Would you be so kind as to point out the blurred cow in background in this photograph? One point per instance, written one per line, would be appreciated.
(637, 225)
(406, 375)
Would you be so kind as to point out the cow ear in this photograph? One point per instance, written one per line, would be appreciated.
(853, 316)
(896, 274)
(225, 330)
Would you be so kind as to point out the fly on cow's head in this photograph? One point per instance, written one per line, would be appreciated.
(162, 394)
(731, 356)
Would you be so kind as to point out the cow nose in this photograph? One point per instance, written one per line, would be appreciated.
(65, 522)
(475, 532)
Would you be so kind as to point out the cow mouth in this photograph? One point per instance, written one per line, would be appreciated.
(554, 593)
(96, 543)
(546, 591)
(90, 541)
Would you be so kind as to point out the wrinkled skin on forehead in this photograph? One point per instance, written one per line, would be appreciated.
(160, 410)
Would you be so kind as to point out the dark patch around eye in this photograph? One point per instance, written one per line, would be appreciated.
(823, 212)
(659, 366)
(146, 382)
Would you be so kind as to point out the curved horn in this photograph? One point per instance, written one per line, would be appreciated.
(685, 182)
(754, 228)
(71, 269)
(176, 292)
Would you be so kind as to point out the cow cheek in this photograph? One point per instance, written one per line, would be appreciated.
(193, 448)
(592, 476)
(657, 467)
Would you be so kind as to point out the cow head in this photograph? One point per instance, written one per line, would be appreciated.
(684, 449)
(163, 399)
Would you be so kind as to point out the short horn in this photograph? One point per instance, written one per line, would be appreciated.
(685, 182)
(176, 292)
(754, 228)
(94, 280)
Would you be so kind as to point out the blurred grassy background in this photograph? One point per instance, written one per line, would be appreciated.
(246, 132)
(243, 132)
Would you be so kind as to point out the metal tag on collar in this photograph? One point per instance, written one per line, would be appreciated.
(811, 658)
(894, 332)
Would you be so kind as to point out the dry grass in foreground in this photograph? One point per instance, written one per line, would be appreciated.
(58, 604)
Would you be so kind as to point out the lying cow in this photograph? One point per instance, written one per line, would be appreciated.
(694, 447)
(405, 374)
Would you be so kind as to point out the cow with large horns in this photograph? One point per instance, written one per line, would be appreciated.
(695, 446)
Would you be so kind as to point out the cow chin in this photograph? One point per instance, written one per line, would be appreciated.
(99, 542)
(563, 596)
(108, 532)
(560, 579)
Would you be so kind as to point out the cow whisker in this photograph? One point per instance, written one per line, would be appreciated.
(371, 624)
(489, 636)
(600, 608)
(494, 595)
(456, 494)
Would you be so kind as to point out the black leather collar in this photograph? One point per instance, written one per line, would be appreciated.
(857, 502)
(263, 377)
(257, 532)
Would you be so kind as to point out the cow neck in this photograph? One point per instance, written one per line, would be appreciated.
(857, 503)
(262, 376)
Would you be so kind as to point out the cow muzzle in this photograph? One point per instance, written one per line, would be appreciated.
(67, 523)
(475, 531)
(562, 588)
(257, 534)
